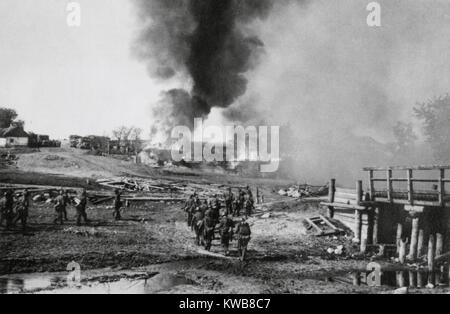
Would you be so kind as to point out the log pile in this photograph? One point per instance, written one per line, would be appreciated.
(137, 185)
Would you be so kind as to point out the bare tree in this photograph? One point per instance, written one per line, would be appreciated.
(119, 134)
(136, 138)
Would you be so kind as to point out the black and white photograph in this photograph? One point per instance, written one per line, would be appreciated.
(224, 152)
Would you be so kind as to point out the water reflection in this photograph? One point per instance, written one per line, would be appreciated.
(403, 278)
(58, 285)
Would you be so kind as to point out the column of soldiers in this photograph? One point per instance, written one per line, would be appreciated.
(14, 208)
(207, 216)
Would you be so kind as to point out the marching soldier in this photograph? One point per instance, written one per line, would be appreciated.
(241, 202)
(248, 206)
(226, 232)
(188, 208)
(59, 208)
(197, 224)
(209, 226)
(2, 208)
(204, 207)
(8, 213)
(117, 205)
(243, 233)
(66, 203)
(250, 195)
(197, 200)
(229, 199)
(215, 207)
(81, 209)
(22, 210)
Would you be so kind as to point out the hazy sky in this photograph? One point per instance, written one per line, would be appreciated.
(80, 80)
(322, 65)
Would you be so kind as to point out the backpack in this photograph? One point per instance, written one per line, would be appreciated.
(244, 229)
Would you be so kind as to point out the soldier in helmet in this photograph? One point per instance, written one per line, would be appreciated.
(117, 205)
(197, 225)
(66, 203)
(81, 208)
(22, 210)
(229, 199)
(248, 206)
(209, 225)
(243, 233)
(250, 194)
(204, 206)
(59, 208)
(226, 226)
(6, 205)
(188, 208)
(241, 202)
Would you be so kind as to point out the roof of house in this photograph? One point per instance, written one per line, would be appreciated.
(13, 131)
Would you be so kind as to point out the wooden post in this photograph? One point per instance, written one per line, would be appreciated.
(376, 217)
(370, 227)
(442, 281)
(402, 251)
(371, 186)
(420, 243)
(401, 282)
(442, 187)
(430, 259)
(410, 187)
(448, 279)
(359, 192)
(398, 238)
(414, 238)
(331, 212)
(420, 279)
(389, 184)
(412, 279)
(363, 246)
(358, 226)
(439, 244)
(332, 190)
(356, 276)
(448, 274)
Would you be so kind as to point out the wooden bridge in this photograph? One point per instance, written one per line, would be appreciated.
(401, 207)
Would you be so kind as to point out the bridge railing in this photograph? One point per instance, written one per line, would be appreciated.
(412, 194)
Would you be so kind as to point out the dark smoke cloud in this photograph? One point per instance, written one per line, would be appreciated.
(202, 41)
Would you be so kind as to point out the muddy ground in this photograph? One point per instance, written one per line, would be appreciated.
(153, 242)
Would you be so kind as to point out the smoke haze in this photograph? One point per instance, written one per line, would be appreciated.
(314, 66)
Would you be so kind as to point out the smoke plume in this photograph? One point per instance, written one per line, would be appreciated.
(203, 42)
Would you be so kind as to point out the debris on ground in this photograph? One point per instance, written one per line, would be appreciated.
(305, 190)
(8, 160)
(403, 290)
(321, 226)
(85, 232)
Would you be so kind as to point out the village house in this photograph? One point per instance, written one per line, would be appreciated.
(14, 136)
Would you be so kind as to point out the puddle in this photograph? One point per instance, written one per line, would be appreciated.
(54, 284)
(28, 283)
(399, 279)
